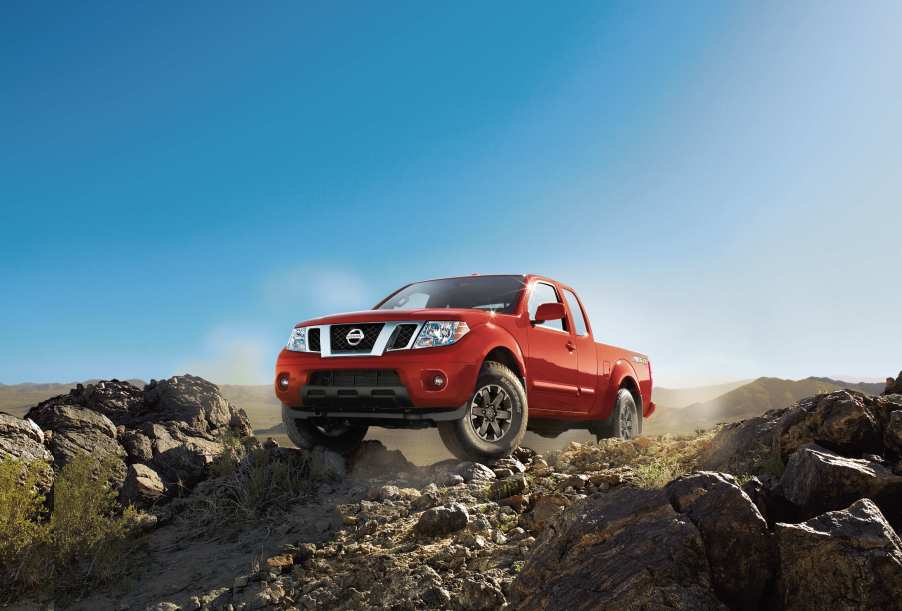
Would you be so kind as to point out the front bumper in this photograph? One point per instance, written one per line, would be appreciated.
(408, 393)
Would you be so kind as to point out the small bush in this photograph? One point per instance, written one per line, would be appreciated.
(22, 529)
(85, 540)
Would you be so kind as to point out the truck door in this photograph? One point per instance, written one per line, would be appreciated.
(552, 360)
(587, 359)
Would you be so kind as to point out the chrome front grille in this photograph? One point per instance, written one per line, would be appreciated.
(354, 338)
(366, 338)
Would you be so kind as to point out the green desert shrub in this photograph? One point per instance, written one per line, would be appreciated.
(84, 540)
(22, 528)
(658, 472)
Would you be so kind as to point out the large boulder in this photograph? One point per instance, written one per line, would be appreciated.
(22, 439)
(849, 559)
(743, 447)
(735, 534)
(818, 480)
(143, 486)
(626, 549)
(843, 421)
(80, 431)
(181, 459)
(195, 403)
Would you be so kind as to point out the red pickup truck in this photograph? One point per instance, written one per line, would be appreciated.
(483, 358)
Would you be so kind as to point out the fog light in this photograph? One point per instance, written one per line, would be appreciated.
(283, 381)
(438, 381)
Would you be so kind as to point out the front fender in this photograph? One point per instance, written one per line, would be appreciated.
(490, 336)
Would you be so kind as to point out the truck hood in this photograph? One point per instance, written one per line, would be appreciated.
(471, 317)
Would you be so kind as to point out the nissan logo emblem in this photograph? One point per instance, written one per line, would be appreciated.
(354, 337)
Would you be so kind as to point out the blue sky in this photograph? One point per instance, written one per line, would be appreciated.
(180, 184)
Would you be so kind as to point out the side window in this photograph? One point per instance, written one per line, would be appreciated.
(544, 293)
(579, 323)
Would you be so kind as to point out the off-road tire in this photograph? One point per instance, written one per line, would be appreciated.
(613, 426)
(461, 436)
(625, 408)
(307, 436)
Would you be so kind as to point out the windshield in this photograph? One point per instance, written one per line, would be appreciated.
(493, 293)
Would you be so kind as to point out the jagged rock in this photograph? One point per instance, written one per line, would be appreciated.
(442, 520)
(117, 400)
(843, 421)
(77, 431)
(818, 480)
(22, 439)
(547, 507)
(849, 559)
(507, 488)
(524, 454)
(475, 472)
(197, 404)
(372, 459)
(137, 445)
(142, 487)
(743, 447)
(734, 532)
(181, 459)
(625, 549)
(766, 494)
(892, 435)
(480, 593)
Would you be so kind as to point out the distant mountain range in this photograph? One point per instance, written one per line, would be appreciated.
(751, 399)
(679, 410)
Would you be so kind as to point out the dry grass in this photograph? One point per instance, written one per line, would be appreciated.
(250, 486)
(655, 460)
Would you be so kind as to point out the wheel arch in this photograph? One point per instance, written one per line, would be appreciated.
(622, 376)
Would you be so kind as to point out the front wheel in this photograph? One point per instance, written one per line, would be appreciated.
(338, 436)
(495, 420)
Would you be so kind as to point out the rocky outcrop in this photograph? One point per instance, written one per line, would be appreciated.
(737, 542)
(817, 480)
(166, 434)
(849, 559)
(844, 421)
(626, 549)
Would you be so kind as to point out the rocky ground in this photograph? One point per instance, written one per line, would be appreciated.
(795, 509)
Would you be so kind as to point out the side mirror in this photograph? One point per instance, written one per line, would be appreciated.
(549, 311)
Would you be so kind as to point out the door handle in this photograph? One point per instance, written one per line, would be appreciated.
(571, 346)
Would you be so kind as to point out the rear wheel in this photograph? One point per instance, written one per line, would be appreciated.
(625, 424)
(338, 436)
(495, 420)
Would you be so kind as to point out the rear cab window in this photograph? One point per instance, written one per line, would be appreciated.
(576, 313)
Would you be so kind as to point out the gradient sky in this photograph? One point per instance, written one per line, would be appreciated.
(179, 184)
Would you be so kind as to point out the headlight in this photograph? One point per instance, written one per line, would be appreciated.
(297, 341)
(440, 333)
